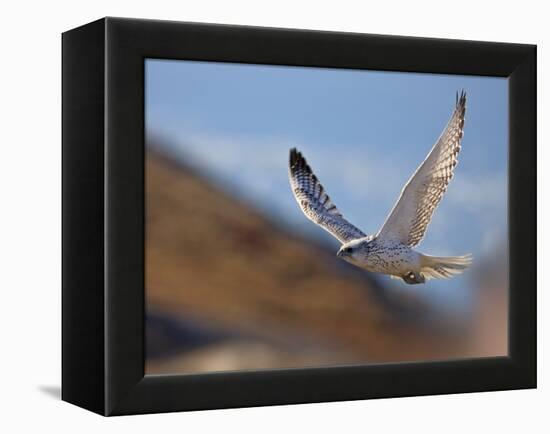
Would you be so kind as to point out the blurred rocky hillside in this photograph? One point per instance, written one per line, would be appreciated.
(228, 289)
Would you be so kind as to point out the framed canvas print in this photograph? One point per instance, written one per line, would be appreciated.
(257, 216)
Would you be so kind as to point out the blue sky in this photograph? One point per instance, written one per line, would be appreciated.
(363, 132)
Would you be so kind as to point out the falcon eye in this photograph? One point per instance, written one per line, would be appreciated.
(348, 249)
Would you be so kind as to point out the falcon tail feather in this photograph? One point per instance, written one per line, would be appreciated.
(443, 267)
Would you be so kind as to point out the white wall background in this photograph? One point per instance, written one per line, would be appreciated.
(30, 249)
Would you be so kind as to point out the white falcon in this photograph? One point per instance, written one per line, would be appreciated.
(391, 251)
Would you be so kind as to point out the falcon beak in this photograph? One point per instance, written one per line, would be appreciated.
(340, 253)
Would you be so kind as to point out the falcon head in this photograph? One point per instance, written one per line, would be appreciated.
(354, 252)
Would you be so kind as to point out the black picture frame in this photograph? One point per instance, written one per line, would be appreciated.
(103, 215)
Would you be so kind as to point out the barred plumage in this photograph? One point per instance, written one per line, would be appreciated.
(411, 215)
(315, 202)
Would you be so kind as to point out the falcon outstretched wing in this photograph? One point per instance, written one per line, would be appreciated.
(315, 202)
(411, 215)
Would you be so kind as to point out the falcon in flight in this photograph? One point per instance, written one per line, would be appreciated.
(391, 251)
